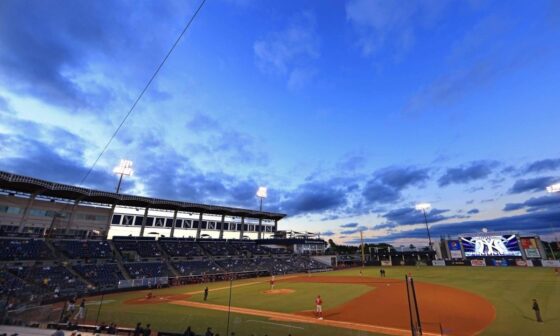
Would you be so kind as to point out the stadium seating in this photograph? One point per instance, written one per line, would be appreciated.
(219, 248)
(84, 249)
(251, 247)
(56, 279)
(181, 248)
(42, 273)
(146, 269)
(101, 275)
(24, 249)
(144, 248)
(200, 267)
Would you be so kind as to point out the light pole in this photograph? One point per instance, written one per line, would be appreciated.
(553, 189)
(124, 168)
(423, 207)
(261, 193)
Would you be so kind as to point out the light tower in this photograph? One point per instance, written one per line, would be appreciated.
(553, 189)
(261, 193)
(124, 168)
(423, 207)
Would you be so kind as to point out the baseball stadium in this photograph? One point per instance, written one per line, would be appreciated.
(69, 263)
(279, 168)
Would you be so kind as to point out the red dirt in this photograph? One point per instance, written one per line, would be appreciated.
(384, 309)
(156, 299)
(458, 311)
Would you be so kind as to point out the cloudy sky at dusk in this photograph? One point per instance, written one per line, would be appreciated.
(351, 112)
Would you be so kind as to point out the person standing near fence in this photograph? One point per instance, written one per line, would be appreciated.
(537, 310)
(81, 311)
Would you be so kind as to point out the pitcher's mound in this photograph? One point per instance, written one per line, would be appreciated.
(282, 291)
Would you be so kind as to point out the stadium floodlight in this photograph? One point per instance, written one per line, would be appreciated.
(262, 193)
(423, 207)
(553, 188)
(123, 169)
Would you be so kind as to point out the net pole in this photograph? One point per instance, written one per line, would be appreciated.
(416, 305)
(412, 329)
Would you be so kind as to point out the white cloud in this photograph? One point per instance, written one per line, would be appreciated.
(391, 24)
(290, 51)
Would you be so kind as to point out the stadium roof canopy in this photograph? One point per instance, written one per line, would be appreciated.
(25, 184)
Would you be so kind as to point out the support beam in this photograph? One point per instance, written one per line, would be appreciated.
(109, 221)
(199, 229)
(242, 228)
(260, 228)
(222, 227)
(26, 211)
(71, 217)
(173, 223)
(144, 220)
(275, 225)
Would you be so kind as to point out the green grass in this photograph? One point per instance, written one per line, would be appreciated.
(302, 299)
(510, 290)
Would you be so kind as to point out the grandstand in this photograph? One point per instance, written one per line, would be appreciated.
(35, 207)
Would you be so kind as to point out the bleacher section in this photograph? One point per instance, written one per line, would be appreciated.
(56, 279)
(64, 268)
(219, 248)
(200, 267)
(143, 247)
(24, 249)
(180, 248)
(141, 270)
(84, 249)
(101, 275)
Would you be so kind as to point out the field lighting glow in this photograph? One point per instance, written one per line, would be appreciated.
(423, 206)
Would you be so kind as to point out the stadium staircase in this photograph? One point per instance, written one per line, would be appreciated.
(65, 262)
(166, 259)
(119, 260)
(54, 252)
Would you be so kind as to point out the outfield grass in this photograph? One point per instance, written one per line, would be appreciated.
(510, 290)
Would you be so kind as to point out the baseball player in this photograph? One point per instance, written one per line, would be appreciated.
(319, 307)
(272, 283)
(81, 311)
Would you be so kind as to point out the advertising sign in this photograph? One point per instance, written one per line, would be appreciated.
(499, 262)
(438, 262)
(491, 246)
(521, 263)
(478, 262)
(530, 247)
(551, 263)
(455, 249)
(386, 263)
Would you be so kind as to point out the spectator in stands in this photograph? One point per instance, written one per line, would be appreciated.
(58, 332)
(147, 331)
(209, 332)
(189, 332)
(138, 330)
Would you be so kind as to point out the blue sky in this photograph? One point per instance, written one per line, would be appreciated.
(350, 111)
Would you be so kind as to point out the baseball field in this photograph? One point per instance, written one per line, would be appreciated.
(452, 301)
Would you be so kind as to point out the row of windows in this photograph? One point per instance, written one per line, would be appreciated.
(10, 210)
(90, 217)
(184, 223)
(33, 212)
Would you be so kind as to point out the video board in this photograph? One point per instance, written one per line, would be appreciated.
(491, 246)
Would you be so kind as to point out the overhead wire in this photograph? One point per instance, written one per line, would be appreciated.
(155, 73)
